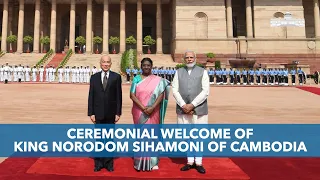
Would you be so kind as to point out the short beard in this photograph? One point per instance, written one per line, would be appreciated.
(191, 65)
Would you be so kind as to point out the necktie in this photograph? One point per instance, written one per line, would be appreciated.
(105, 80)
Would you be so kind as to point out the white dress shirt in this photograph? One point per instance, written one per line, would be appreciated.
(200, 98)
(103, 74)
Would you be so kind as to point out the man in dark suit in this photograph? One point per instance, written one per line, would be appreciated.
(105, 103)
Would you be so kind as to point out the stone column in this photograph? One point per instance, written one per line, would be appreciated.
(229, 20)
(53, 25)
(249, 18)
(139, 27)
(105, 41)
(36, 36)
(316, 18)
(159, 28)
(42, 24)
(4, 32)
(89, 27)
(20, 27)
(72, 27)
(122, 26)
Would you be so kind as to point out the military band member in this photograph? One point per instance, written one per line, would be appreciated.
(238, 76)
(285, 75)
(280, 77)
(271, 75)
(265, 76)
(300, 74)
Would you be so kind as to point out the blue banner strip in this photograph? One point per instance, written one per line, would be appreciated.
(168, 140)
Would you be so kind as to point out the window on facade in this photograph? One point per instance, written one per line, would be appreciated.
(201, 25)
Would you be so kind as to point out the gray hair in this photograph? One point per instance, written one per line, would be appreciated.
(194, 53)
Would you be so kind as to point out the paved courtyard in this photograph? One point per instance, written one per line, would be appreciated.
(67, 103)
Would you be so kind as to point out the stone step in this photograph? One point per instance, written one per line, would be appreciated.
(56, 60)
(24, 59)
(94, 60)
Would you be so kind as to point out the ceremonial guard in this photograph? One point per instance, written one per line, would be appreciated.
(245, 76)
(258, 76)
(211, 77)
(238, 75)
(34, 73)
(300, 74)
(276, 77)
(265, 77)
(94, 70)
(20, 73)
(231, 75)
(78, 75)
(60, 72)
(1, 73)
(15, 73)
(41, 70)
(285, 75)
(47, 74)
(251, 74)
(224, 75)
(10, 73)
(293, 76)
(6, 73)
(27, 71)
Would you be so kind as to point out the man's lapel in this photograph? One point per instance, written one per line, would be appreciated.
(99, 80)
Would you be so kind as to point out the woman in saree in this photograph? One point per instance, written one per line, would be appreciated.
(149, 94)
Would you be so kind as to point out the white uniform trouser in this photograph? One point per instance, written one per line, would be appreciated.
(193, 119)
(41, 77)
(60, 77)
(34, 77)
(47, 76)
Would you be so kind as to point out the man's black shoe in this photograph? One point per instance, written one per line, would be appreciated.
(200, 169)
(110, 168)
(187, 167)
(96, 169)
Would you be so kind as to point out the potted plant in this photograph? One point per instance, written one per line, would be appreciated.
(81, 41)
(28, 40)
(11, 39)
(210, 57)
(131, 40)
(149, 41)
(45, 41)
(113, 41)
(97, 40)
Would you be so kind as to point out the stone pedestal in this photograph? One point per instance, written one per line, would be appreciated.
(66, 49)
(242, 63)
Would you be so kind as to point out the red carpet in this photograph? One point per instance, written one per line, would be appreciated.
(313, 90)
(217, 168)
(73, 168)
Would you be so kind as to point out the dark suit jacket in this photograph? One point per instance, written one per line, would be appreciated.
(105, 104)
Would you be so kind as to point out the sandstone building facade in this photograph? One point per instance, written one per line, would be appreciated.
(227, 28)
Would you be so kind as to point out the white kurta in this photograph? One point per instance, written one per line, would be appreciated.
(192, 119)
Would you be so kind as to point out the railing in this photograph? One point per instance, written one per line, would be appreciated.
(45, 58)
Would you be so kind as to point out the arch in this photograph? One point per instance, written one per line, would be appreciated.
(201, 25)
(279, 31)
